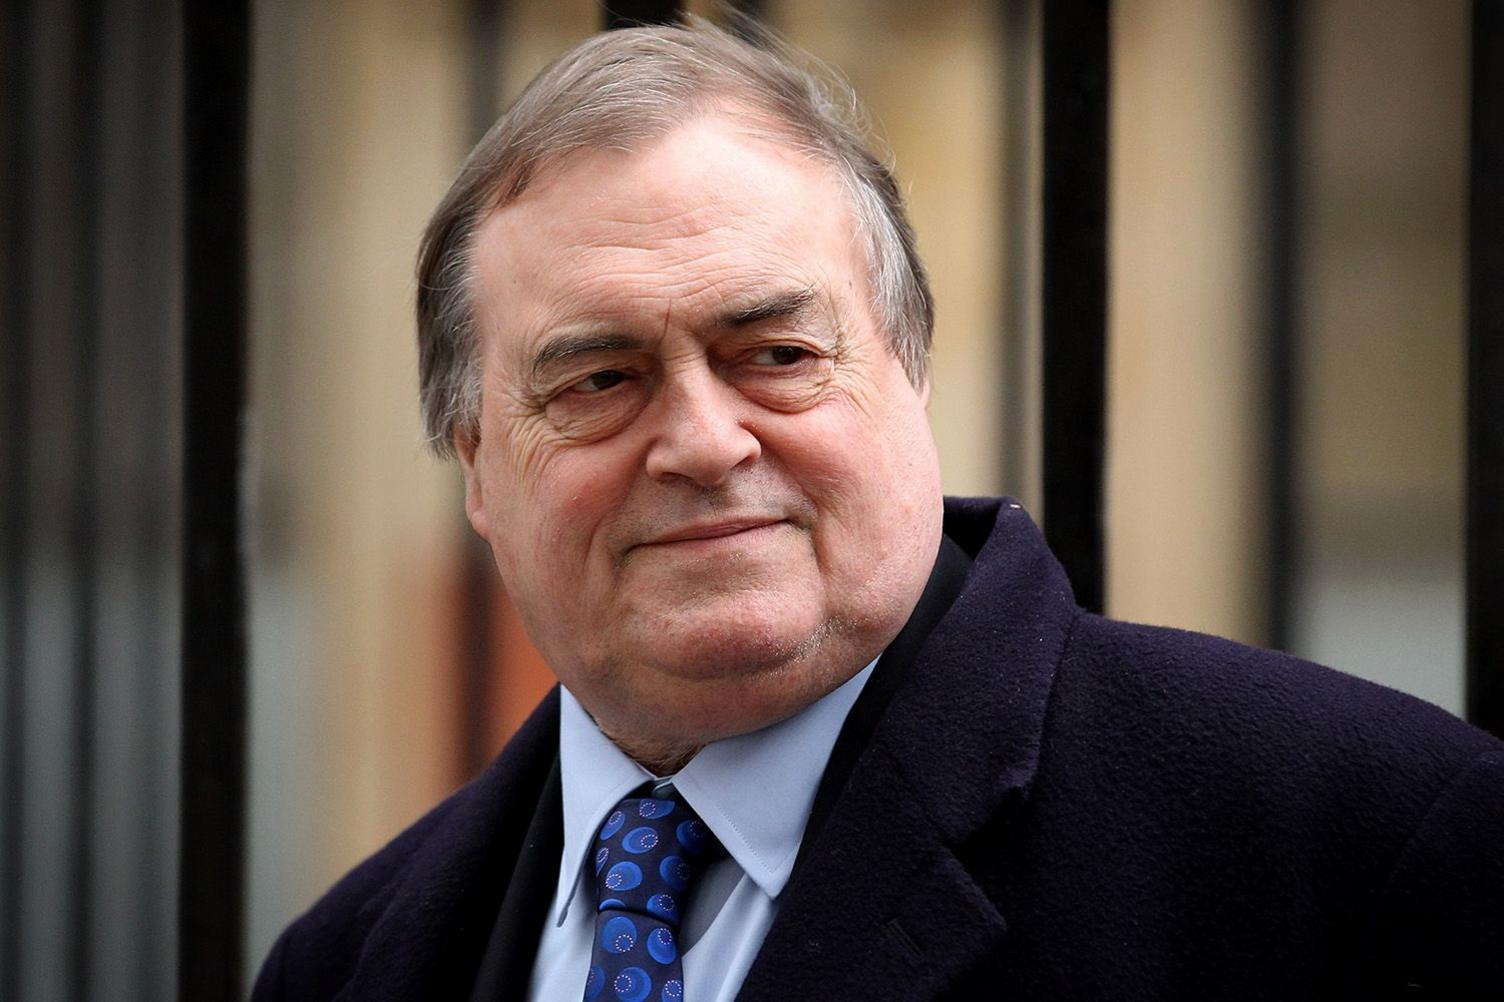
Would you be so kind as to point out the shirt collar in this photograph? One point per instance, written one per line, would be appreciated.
(754, 791)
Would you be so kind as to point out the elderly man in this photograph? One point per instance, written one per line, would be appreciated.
(821, 734)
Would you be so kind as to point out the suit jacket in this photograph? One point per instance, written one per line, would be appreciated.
(1038, 803)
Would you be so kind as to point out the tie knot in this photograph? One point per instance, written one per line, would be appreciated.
(646, 856)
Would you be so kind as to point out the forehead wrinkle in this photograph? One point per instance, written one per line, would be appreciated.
(633, 220)
(609, 251)
(702, 290)
(653, 218)
(704, 216)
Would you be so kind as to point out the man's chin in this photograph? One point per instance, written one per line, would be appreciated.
(701, 707)
(733, 620)
(718, 649)
(700, 680)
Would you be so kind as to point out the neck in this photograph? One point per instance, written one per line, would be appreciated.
(659, 758)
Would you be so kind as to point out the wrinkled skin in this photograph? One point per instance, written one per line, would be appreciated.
(710, 488)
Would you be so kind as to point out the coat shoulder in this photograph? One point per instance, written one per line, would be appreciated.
(1298, 740)
(1354, 827)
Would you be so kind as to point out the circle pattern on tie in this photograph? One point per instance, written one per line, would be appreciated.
(624, 876)
(692, 835)
(661, 946)
(642, 872)
(632, 985)
(618, 935)
(641, 840)
(613, 824)
(675, 872)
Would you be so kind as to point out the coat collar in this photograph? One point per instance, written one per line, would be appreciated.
(884, 907)
(984, 678)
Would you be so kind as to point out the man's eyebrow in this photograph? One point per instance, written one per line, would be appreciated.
(564, 346)
(569, 345)
(780, 304)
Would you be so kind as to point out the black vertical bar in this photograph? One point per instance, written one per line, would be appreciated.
(1282, 132)
(157, 113)
(1074, 283)
(1485, 410)
(630, 13)
(1019, 23)
(84, 485)
(15, 404)
(211, 892)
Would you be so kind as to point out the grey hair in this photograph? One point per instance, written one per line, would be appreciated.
(619, 90)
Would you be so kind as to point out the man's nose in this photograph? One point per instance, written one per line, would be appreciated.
(699, 432)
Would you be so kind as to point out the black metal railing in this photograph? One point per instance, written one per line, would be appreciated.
(1485, 406)
(211, 890)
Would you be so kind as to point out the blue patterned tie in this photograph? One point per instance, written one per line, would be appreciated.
(646, 857)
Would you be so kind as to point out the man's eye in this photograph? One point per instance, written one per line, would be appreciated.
(598, 381)
(783, 354)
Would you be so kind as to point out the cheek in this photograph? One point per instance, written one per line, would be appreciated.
(563, 495)
(518, 506)
(835, 457)
(865, 469)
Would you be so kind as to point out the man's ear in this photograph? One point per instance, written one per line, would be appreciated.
(924, 393)
(467, 450)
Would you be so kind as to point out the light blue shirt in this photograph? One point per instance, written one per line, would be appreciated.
(754, 791)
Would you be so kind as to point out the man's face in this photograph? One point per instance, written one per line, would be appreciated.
(709, 486)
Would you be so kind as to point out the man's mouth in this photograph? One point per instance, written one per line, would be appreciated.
(713, 530)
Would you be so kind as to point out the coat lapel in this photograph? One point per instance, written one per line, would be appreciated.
(882, 907)
(508, 962)
(433, 929)
(883, 910)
